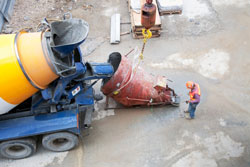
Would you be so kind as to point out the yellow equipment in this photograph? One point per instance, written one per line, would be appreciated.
(24, 68)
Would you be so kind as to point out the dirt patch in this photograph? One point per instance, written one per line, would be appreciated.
(29, 13)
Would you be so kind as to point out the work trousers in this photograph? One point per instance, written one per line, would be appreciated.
(191, 109)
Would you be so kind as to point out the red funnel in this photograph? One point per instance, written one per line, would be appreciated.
(132, 87)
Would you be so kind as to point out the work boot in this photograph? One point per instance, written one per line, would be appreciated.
(188, 117)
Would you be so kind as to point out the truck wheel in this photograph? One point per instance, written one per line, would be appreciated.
(18, 149)
(61, 141)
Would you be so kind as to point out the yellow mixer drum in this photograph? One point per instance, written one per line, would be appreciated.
(24, 68)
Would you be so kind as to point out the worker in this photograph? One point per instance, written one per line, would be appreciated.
(194, 95)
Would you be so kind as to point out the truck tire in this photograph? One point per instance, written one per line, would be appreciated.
(18, 149)
(61, 141)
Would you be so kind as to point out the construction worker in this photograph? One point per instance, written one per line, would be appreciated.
(194, 95)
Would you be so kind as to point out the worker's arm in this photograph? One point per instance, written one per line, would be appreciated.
(196, 99)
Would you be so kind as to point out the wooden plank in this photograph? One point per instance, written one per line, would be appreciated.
(141, 36)
(132, 18)
(170, 12)
(153, 33)
(154, 27)
(156, 30)
(129, 5)
(151, 29)
(115, 29)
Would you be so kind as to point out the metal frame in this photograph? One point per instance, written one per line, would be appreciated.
(46, 52)
(40, 124)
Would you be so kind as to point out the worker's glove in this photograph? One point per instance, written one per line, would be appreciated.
(187, 102)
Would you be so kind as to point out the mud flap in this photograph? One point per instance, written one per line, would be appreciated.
(88, 116)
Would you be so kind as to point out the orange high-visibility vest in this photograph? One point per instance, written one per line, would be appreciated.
(197, 91)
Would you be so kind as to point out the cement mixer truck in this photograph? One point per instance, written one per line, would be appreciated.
(45, 89)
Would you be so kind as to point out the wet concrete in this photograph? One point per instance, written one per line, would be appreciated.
(160, 136)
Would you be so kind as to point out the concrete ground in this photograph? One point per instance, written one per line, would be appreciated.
(209, 44)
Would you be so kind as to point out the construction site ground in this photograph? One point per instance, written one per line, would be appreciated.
(208, 43)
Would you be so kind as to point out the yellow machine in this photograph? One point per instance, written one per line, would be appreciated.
(24, 68)
(29, 62)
